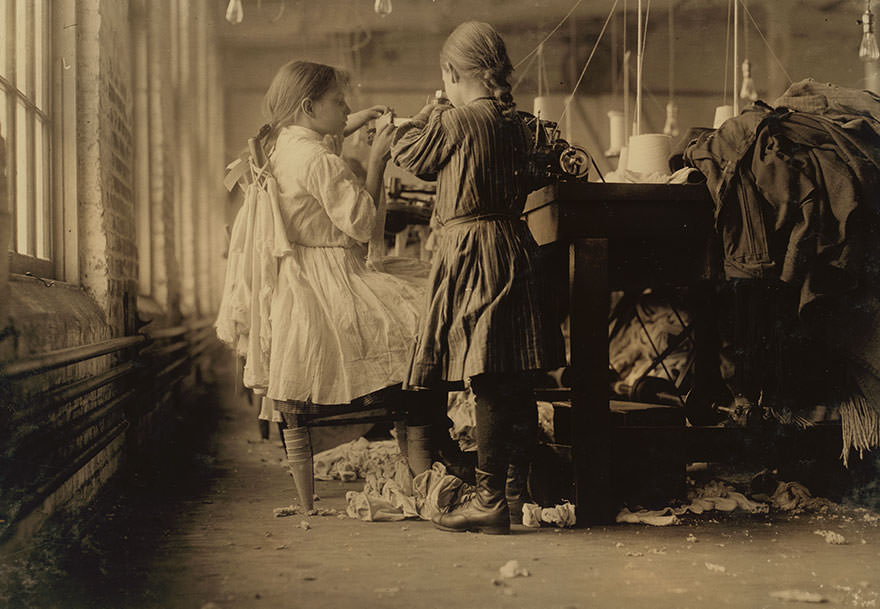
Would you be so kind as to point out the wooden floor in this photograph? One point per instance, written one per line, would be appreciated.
(198, 531)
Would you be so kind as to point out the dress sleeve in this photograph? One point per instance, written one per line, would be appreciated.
(347, 203)
(423, 148)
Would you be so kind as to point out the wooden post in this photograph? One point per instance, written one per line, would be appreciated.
(590, 415)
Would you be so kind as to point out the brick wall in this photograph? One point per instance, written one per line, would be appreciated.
(108, 262)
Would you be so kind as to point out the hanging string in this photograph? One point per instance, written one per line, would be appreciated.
(543, 83)
(640, 67)
(614, 67)
(671, 53)
(767, 44)
(589, 59)
(735, 57)
(645, 30)
(523, 74)
(547, 37)
(625, 72)
(726, 51)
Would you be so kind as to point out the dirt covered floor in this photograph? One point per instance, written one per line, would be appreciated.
(197, 531)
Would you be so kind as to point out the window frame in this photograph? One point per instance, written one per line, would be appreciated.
(143, 143)
(59, 149)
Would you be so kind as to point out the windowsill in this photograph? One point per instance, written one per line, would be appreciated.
(149, 310)
(49, 317)
(21, 264)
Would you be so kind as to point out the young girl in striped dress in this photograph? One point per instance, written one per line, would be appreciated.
(487, 319)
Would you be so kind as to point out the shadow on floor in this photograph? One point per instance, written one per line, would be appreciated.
(102, 556)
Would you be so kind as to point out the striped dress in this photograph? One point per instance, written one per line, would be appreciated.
(488, 310)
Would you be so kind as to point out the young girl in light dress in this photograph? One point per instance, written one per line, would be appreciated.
(324, 334)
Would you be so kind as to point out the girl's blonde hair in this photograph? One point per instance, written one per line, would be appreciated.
(477, 49)
(294, 82)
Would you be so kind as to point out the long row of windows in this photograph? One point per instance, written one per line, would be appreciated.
(39, 110)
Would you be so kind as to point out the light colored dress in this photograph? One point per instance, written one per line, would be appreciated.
(337, 330)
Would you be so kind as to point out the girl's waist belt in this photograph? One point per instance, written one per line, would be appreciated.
(469, 218)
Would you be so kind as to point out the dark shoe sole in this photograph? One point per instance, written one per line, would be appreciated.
(485, 530)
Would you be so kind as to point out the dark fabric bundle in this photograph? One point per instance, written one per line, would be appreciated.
(796, 188)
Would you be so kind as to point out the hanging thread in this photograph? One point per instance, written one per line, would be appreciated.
(735, 57)
(589, 59)
(547, 37)
(726, 53)
(767, 44)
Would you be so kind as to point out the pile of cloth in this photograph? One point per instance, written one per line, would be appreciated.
(402, 496)
(795, 188)
(353, 460)
(391, 493)
(717, 495)
(647, 338)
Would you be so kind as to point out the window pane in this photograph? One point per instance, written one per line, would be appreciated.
(4, 133)
(24, 243)
(40, 53)
(41, 188)
(4, 36)
(22, 45)
(4, 120)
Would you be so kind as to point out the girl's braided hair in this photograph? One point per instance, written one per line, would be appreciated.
(476, 48)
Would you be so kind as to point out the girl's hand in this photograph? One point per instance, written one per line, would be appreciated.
(358, 119)
(423, 114)
(381, 149)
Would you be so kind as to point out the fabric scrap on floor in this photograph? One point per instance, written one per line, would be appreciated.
(655, 518)
(402, 496)
(511, 569)
(799, 596)
(795, 497)
(832, 537)
(354, 459)
(719, 496)
(561, 515)
(715, 495)
(461, 411)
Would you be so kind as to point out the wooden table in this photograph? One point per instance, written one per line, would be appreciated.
(597, 237)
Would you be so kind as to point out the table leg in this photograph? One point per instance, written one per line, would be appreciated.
(590, 415)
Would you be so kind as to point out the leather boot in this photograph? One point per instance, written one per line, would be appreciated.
(485, 512)
(517, 491)
(458, 463)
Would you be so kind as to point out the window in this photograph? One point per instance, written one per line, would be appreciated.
(26, 127)
(142, 144)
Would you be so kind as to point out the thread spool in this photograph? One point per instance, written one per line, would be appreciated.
(541, 107)
(624, 158)
(649, 153)
(615, 124)
(722, 113)
(671, 126)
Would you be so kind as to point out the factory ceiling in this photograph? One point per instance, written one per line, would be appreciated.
(294, 23)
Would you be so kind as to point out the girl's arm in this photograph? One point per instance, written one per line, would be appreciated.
(424, 145)
(379, 153)
(350, 205)
(356, 120)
